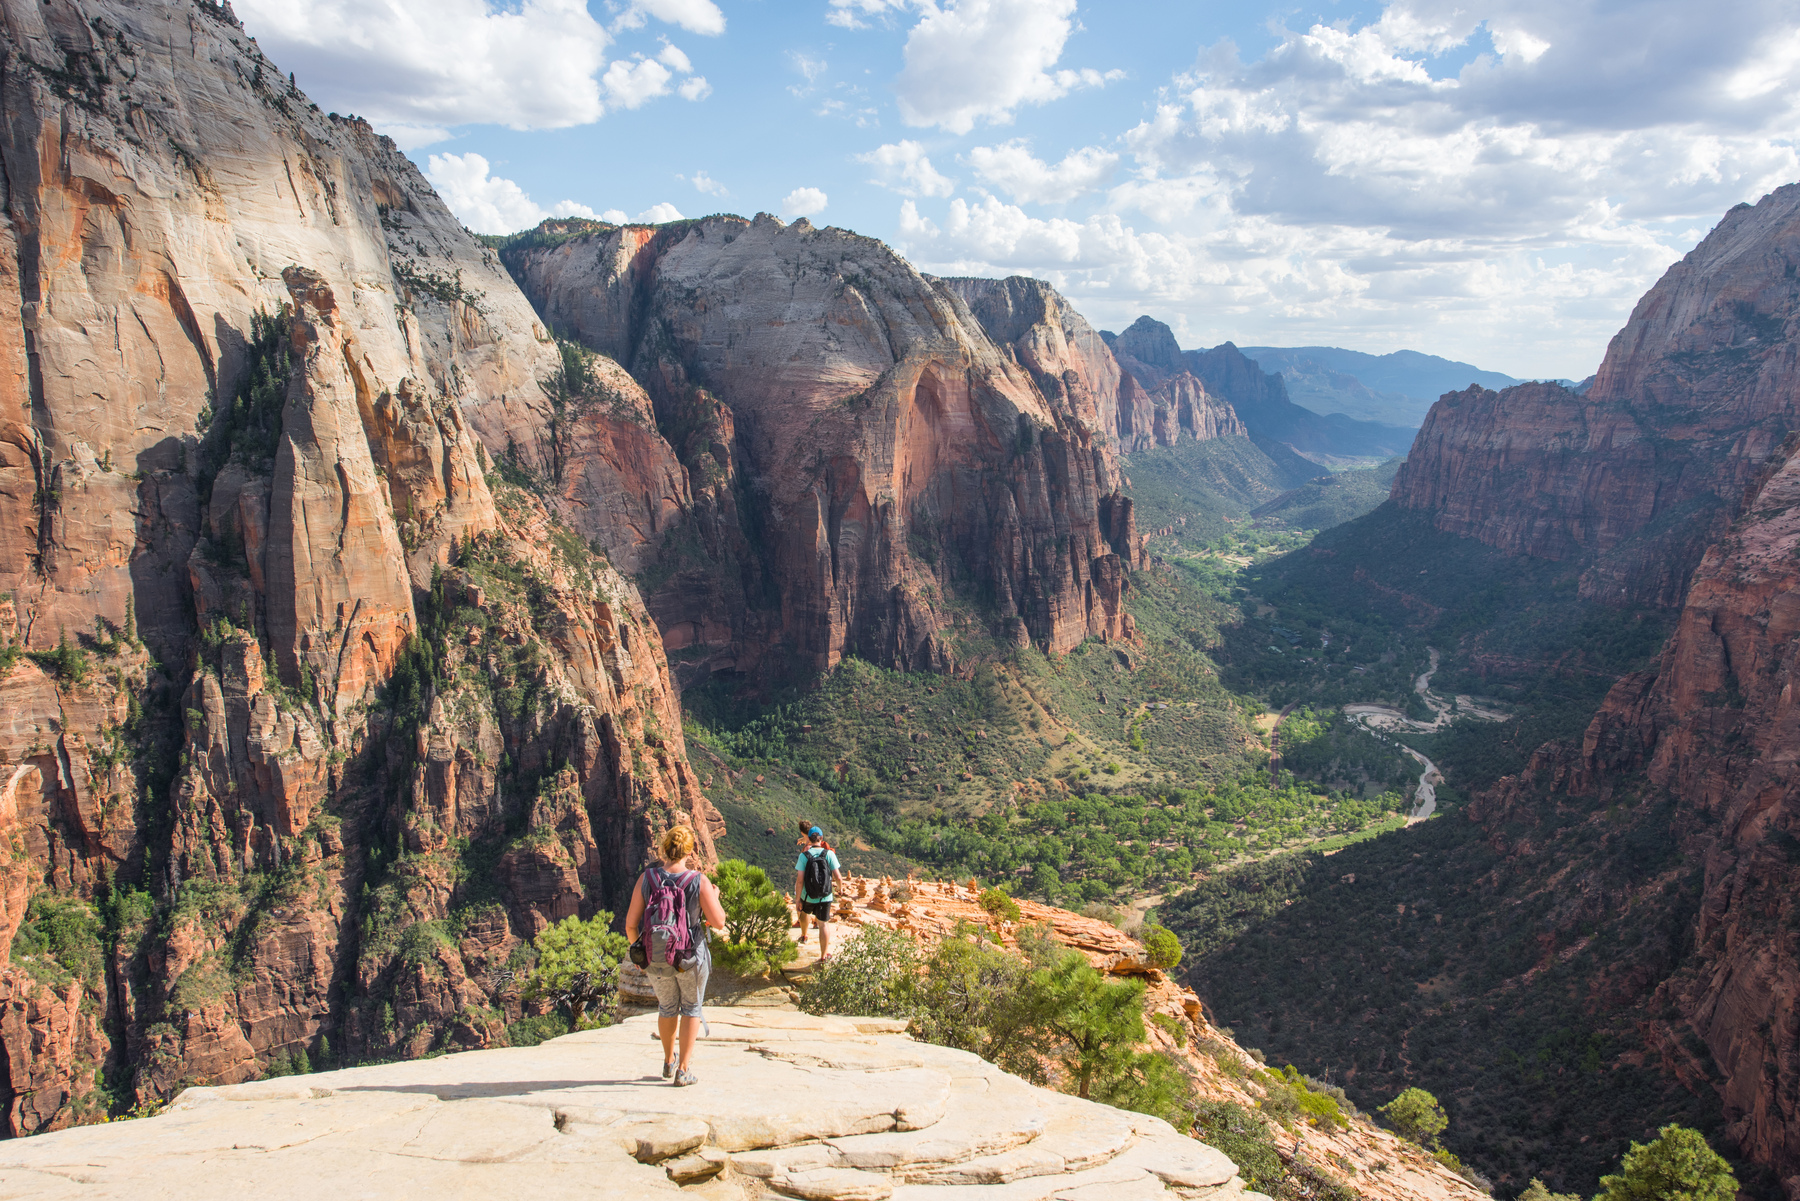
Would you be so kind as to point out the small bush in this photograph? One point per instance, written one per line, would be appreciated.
(529, 1032)
(1288, 1097)
(1243, 1135)
(756, 920)
(1416, 1115)
(1173, 1027)
(871, 975)
(64, 936)
(1161, 947)
(578, 967)
(68, 661)
(997, 904)
(1535, 1191)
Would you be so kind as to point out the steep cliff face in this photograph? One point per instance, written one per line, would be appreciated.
(1642, 471)
(1163, 399)
(306, 724)
(860, 451)
(1712, 738)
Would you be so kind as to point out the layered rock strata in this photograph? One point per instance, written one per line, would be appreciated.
(859, 449)
(307, 725)
(1635, 477)
(1711, 739)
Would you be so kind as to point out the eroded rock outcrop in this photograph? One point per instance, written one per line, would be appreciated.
(1706, 751)
(1636, 476)
(317, 725)
(1379, 1165)
(819, 1108)
(859, 445)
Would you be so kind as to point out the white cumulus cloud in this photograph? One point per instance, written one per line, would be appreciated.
(978, 60)
(632, 83)
(803, 202)
(706, 184)
(487, 203)
(1345, 188)
(695, 16)
(656, 214)
(854, 14)
(417, 68)
(904, 168)
(1013, 169)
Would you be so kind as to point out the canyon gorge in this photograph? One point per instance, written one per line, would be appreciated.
(353, 569)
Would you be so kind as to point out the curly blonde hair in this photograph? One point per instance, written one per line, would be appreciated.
(676, 843)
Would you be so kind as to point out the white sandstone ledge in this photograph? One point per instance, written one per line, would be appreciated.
(820, 1108)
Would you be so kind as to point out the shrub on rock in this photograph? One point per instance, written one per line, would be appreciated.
(871, 975)
(1161, 948)
(578, 968)
(1415, 1114)
(756, 920)
(998, 905)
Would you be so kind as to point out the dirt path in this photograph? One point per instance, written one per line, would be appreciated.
(1275, 747)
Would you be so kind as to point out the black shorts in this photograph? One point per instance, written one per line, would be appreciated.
(821, 910)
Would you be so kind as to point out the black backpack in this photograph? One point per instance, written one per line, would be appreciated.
(818, 873)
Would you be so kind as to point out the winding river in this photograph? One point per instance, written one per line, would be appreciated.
(1384, 720)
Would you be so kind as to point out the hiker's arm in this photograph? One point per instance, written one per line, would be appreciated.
(799, 883)
(635, 915)
(709, 904)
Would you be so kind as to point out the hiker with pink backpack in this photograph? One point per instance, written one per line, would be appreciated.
(670, 909)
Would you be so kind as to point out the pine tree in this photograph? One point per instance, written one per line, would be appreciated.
(1678, 1166)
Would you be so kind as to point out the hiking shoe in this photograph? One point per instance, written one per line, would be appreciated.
(683, 1078)
(668, 1069)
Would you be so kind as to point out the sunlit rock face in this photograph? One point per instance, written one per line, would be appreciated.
(860, 448)
(352, 723)
(1637, 476)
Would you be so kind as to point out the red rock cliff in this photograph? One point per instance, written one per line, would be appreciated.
(335, 724)
(1638, 475)
(1712, 736)
(859, 447)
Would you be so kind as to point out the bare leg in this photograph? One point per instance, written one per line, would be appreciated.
(665, 1029)
(824, 939)
(690, 1030)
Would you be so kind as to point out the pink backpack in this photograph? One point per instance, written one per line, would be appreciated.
(668, 929)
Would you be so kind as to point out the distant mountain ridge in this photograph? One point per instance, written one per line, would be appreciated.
(1148, 350)
(1397, 388)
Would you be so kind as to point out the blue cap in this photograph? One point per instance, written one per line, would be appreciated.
(815, 832)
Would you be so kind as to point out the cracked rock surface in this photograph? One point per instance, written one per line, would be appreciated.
(788, 1105)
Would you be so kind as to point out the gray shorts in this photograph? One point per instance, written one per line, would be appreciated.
(681, 992)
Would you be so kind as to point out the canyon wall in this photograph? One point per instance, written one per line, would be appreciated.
(1635, 477)
(310, 721)
(865, 446)
(1705, 751)
(1165, 398)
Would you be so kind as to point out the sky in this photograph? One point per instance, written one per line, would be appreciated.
(1495, 181)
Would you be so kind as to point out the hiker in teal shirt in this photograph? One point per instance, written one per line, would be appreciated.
(815, 874)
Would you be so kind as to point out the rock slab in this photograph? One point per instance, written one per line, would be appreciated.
(589, 1115)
